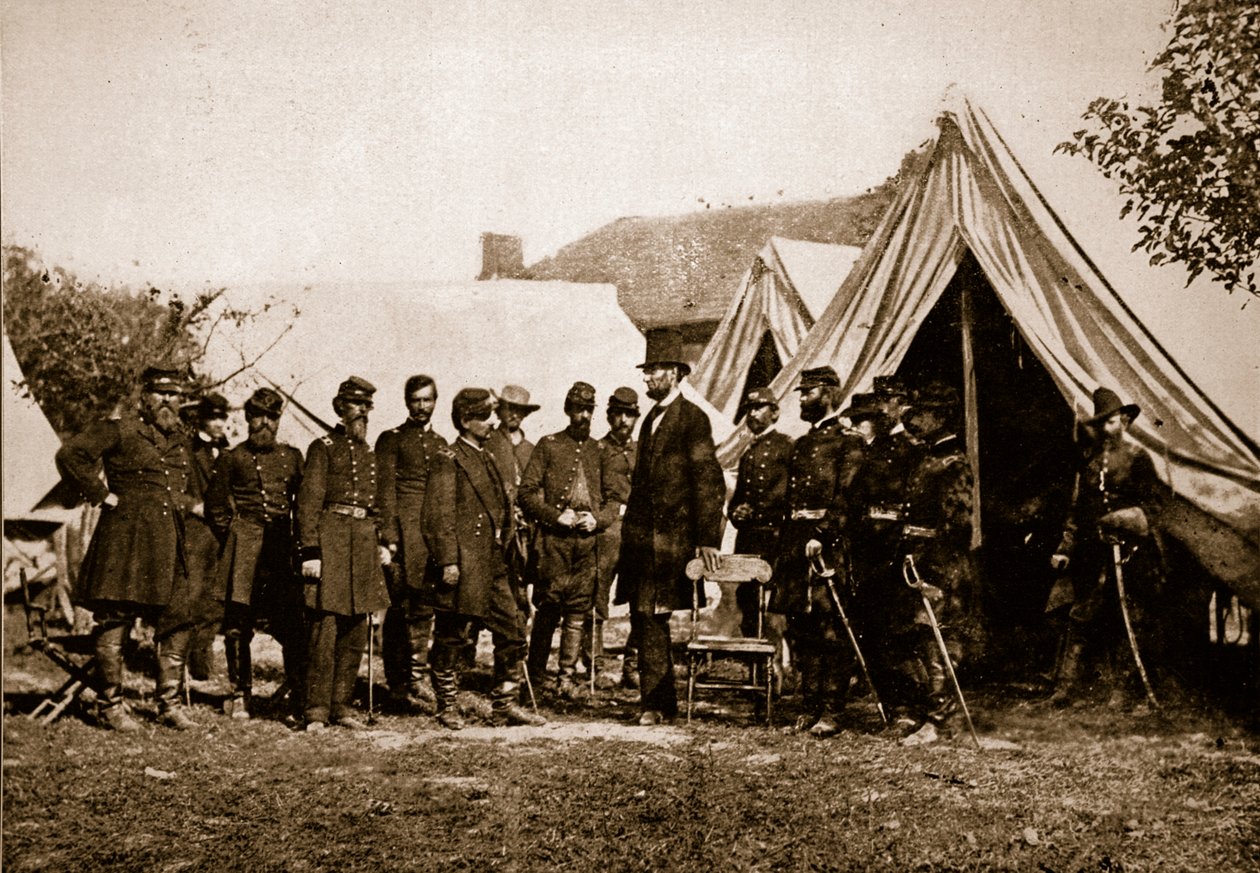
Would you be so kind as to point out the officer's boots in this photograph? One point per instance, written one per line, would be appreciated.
(593, 648)
(109, 662)
(1065, 683)
(505, 707)
(171, 653)
(446, 690)
(630, 668)
(240, 673)
(570, 651)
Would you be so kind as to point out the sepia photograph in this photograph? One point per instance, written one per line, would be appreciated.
(763, 436)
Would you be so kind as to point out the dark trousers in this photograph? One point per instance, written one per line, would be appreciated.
(656, 663)
(335, 653)
(406, 636)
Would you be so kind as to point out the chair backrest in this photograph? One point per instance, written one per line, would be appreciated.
(36, 623)
(734, 569)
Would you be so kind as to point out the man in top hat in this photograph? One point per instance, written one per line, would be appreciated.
(617, 448)
(136, 565)
(342, 556)
(1117, 502)
(937, 537)
(814, 541)
(469, 524)
(208, 423)
(759, 504)
(673, 515)
(249, 506)
(406, 455)
(563, 493)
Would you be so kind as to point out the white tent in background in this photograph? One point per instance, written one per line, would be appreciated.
(977, 203)
(29, 446)
(789, 284)
(541, 335)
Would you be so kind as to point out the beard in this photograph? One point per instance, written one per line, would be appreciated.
(357, 427)
(166, 418)
(264, 437)
(812, 412)
(580, 430)
(422, 418)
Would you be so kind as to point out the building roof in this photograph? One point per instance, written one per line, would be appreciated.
(683, 269)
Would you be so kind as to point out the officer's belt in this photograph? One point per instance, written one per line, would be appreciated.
(348, 509)
(808, 514)
(884, 513)
(919, 532)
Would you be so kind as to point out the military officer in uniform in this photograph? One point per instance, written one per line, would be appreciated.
(814, 540)
(209, 439)
(136, 565)
(759, 504)
(406, 455)
(1117, 502)
(936, 536)
(469, 524)
(249, 506)
(617, 451)
(563, 493)
(342, 556)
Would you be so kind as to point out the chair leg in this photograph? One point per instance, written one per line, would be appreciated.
(65, 698)
(691, 684)
(769, 691)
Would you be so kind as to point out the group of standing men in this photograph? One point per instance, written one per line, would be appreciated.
(866, 518)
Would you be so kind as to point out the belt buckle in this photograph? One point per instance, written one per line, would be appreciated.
(879, 513)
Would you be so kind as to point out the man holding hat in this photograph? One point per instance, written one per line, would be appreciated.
(617, 453)
(937, 537)
(249, 506)
(406, 455)
(563, 493)
(208, 422)
(814, 541)
(759, 503)
(342, 556)
(469, 524)
(1118, 496)
(136, 565)
(673, 515)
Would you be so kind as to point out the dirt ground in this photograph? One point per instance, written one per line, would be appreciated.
(1080, 789)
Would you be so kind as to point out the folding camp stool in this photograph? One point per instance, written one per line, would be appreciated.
(73, 653)
(755, 654)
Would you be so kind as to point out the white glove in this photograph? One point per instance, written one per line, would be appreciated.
(1059, 562)
(813, 549)
(313, 568)
(386, 554)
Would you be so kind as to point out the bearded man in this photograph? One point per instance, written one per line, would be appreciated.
(137, 564)
(342, 556)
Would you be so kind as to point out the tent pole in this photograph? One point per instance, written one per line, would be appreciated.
(971, 410)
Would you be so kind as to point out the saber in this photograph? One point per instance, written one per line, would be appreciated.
(371, 719)
(1128, 625)
(821, 571)
(909, 569)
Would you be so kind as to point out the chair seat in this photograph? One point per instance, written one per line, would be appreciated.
(731, 645)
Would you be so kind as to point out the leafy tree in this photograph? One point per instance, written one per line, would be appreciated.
(1190, 165)
(82, 346)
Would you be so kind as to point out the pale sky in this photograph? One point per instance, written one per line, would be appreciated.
(221, 142)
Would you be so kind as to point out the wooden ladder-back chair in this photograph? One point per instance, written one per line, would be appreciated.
(756, 653)
(73, 653)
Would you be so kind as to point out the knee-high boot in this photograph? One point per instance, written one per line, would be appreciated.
(171, 653)
(109, 664)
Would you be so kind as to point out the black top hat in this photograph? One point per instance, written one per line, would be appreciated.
(581, 394)
(624, 400)
(356, 389)
(1107, 403)
(665, 346)
(862, 406)
(816, 376)
(264, 401)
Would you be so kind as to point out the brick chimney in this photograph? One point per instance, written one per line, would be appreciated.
(502, 257)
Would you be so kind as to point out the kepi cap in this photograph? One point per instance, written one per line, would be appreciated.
(471, 402)
(816, 376)
(581, 394)
(356, 389)
(935, 395)
(165, 377)
(889, 386)
(264, 401)
(758, 397)
(624, 400)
